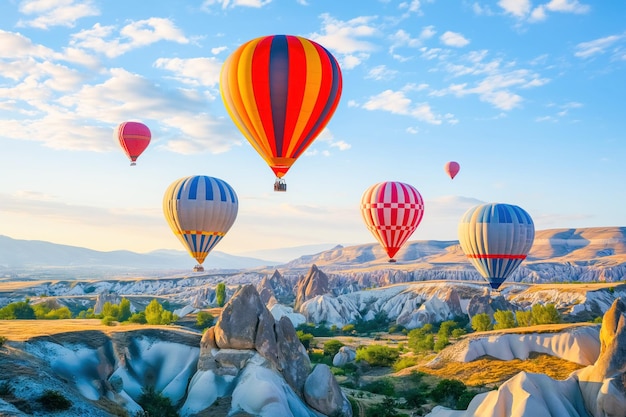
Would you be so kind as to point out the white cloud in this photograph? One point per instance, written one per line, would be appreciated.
(522, 9)
(193, 71)
(381, 72)
(396, 102)
(347, 38)
(568, 6)
(597, 46)
(454, 39)
(481, 10)
(134, 35)
(518, 8)
(236, 3)
(56, 12)
(495, 80)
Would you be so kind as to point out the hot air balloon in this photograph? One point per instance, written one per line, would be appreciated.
(281, 91)
(452, 168)
(200, 210)
(496, 238)
(392, 211)
(134, 138)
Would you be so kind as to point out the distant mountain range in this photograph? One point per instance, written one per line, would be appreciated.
(596, 246)
(16, 254)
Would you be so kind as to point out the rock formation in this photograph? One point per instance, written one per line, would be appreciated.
(275, 286)
(313, 284)
(598, 390)
(261, 363)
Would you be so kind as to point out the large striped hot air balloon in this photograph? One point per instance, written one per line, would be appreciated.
(392, 211)
(281, 91)
(496, 239)
(134, 138)
(200, 210)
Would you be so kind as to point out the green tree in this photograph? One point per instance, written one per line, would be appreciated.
(445, 328)
(524, 318)
(547, 314)
(124, 310)
(481, 322)
(59, 314)
(110, 310)
(421, 339)
(504, 319)
(153, 312)
(138, 318)
(442, 342)
(20, 310)
(220, 294)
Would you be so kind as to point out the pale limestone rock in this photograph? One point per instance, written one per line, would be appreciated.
(343, 356)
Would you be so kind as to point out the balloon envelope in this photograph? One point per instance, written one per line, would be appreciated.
(496, 238)
(134, 138)
(392, 211)
(200, 210)
(281, 91)
(452, 168)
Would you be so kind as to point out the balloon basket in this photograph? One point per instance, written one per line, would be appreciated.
(132, 164)
(392, 260)
(280, 185)
(198, 268)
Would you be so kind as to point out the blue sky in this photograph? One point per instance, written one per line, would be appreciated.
(528, 96)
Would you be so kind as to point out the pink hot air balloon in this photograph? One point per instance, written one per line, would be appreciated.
(452, 168)
(134, 138)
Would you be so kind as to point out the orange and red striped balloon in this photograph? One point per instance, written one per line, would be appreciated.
(281, 91)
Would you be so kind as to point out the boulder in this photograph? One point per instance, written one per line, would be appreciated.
(322, 392)
(236, 327)
(345, 355)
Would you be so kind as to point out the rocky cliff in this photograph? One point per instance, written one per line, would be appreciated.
(598, 390)
(247, 363)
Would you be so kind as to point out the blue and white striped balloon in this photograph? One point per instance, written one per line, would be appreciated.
(496, 238)
(200, 210)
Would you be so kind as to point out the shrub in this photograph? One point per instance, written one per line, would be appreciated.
(305, 338)
(458, 333)
(381, 386)
(441, 343)
(378, 355)
(448, 392)
(155, 404)
(204, 319)
(54, 401)
(331, 347)
(3, 340)
(108, 321)
(348, 328)
(138, 318)
(481, 322)
(405, 362)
